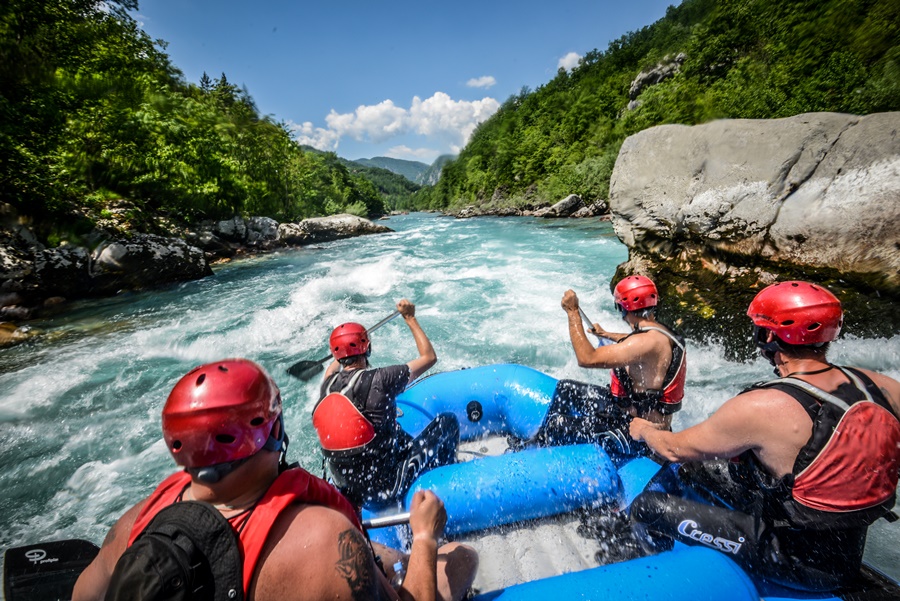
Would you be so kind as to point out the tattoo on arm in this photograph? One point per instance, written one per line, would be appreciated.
(356, 566)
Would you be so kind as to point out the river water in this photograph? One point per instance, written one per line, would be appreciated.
(80, 437)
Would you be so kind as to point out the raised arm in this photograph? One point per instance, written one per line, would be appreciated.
(623, 354)
(427, 357)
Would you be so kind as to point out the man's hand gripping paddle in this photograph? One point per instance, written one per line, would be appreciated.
(306, 370)
(602, 340)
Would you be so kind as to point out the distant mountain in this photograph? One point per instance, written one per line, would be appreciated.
(431, 175)
(411, 170)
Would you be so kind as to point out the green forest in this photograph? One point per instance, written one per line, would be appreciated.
(754, 59)
(94, 111)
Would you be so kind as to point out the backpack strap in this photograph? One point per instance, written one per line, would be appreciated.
(675, 339)
(818, 393)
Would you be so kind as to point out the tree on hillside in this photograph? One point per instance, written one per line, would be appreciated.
(744, 59)
(94, 111)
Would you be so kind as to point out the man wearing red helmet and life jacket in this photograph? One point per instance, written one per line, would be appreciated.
(295, 537)
(648, 373)
(371, 459)
(816, 454)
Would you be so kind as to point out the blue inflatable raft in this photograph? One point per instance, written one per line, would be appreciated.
(489, 493)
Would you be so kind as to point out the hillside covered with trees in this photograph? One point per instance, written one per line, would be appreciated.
(92, 112)
(755, 59)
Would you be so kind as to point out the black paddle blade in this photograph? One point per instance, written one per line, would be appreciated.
(46, 570)
(305, 370)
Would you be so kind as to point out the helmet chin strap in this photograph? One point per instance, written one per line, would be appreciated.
(767, 348)
(211, 474)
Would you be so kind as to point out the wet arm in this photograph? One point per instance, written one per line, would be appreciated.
(420, 583)
(727, 433)
(427, 357)
(610, 356)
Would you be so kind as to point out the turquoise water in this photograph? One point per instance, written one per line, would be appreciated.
(80, 438)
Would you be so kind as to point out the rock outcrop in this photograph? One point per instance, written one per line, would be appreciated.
(34, 277)
(570, 206)
(735, 204)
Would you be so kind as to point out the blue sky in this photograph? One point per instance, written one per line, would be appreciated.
(409, 80)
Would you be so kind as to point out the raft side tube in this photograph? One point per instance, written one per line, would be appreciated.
(491, 399)
(515, 487)
(694, 574)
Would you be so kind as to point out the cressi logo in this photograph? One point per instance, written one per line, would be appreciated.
(689, 529)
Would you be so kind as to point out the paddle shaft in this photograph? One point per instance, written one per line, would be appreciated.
(386, 520)
(307, 369)
(602, 339)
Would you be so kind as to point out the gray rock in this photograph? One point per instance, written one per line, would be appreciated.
(145, 261)
(233, 230)
(565, 207)
(820, 190)
(663, 70)
(261, 230)
(325, 229)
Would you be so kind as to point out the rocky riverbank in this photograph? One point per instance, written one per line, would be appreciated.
(716, 211)
(36, 280)
(571, 206)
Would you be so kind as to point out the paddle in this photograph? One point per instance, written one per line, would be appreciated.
(305, 370)
(603, 340)
(386, 520)
(46, 570)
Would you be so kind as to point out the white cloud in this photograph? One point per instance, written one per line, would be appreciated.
(484, 81)
(405, 152)
(317, 137)
(569, 61)
(438, 117)
(377, 122)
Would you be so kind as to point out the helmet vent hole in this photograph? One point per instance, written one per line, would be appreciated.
(224, 438)
(795, 284)
(813, 326)
(176, 445)
(223, 368)
(787, 322)
(200, 379)
(257, 421)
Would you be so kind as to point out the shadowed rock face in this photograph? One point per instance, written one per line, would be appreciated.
(34, 278)
(717, 211)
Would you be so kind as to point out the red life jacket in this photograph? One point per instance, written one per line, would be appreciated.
(667, 400)
(850, 467)
(293, 486)
(341, 426)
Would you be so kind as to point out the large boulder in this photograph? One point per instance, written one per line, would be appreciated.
(325, 229)
(564, 208)
(744, 202)
(145, 261)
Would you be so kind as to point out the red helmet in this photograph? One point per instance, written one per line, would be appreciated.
(798, 312)
(220, 412)
(636, 292)
(348, 340)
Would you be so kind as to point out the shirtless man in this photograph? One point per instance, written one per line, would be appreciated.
(300, 539)
(816, 454)
(648, 372)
